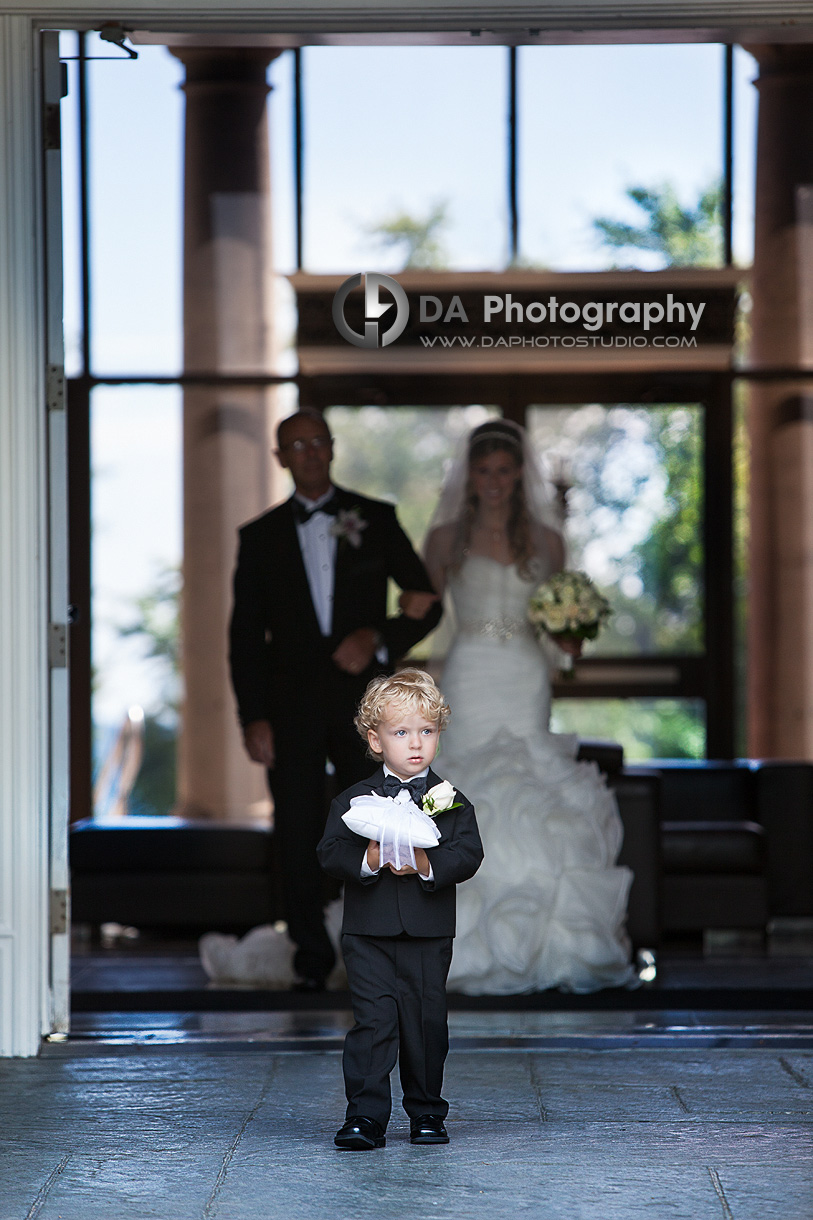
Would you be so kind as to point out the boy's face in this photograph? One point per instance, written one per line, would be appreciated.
(408, 742)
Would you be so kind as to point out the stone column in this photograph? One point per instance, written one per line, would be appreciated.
(780, 604)
(227, 432)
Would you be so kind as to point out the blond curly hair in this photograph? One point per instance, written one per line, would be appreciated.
(409, 690)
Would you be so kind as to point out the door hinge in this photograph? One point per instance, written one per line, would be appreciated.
(55, 387)
(58, 645)
(59, 912)
(51, 127)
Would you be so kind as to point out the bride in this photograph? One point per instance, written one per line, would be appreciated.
(547, 907)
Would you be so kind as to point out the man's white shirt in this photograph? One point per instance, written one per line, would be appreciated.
(366, 871)
(318, 547)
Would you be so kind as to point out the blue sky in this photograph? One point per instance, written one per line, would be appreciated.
(386, 129)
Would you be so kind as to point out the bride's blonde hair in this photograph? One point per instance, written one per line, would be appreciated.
(409, 690)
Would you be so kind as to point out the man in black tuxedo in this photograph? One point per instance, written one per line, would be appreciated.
(309, 629)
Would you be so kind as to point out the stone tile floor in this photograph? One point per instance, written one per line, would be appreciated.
(231, 1119)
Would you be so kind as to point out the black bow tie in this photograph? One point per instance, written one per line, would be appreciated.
(302, 514)
(415, 787)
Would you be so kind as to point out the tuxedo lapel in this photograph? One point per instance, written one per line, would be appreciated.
(342, 574)
(376, 780)
(299, 592)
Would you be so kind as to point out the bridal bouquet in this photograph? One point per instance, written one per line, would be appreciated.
(568, 606)
(395, 822)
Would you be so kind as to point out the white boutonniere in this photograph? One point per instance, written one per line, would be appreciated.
(439, 799)
(348, 526)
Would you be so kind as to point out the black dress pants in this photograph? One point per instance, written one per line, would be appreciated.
(304, 740)
(398, 989)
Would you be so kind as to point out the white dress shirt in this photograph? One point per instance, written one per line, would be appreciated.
(318, 547)
(366, 871)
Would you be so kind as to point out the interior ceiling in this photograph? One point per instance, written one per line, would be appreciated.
(741, 34)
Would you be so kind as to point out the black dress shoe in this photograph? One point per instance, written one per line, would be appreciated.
(311, 985)
(428, 1129)
(360, 1134)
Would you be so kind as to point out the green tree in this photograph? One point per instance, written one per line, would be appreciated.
(156, 623)
(683, 236)
(417, 238)
(670, 560)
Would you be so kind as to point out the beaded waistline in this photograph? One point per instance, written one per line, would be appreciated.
(502, 628)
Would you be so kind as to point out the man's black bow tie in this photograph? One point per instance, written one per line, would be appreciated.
(415, 787)
(303, 514)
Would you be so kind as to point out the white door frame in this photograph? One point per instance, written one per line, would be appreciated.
(58, 1015)
(24, 576)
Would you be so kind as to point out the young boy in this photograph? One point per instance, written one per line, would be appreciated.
(398, 925)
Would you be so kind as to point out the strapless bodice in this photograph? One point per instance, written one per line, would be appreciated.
(490, 599)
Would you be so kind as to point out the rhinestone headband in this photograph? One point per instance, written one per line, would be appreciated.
(495, 435)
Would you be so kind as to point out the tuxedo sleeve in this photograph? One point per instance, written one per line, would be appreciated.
(341, 851)
(459, 854)
(399, 632)
(248, 652)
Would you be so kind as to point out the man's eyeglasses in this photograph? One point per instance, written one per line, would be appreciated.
(316, 443)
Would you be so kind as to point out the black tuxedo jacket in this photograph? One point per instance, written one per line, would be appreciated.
(386, 905)
(277, 651)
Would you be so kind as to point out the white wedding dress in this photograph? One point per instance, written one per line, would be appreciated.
(547, 906)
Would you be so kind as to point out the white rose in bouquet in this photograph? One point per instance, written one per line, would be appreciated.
(568, 606)
(555, 621)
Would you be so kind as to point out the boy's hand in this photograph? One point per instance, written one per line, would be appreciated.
(421, 861)
(373, 855)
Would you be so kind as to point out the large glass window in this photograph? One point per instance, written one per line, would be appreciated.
(136, 556)
(598, 120)
(405, 132)
(401, 454)
(136, 209)
(635, 516)
(410, 136)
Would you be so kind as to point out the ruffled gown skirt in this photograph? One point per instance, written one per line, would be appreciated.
(548, 904)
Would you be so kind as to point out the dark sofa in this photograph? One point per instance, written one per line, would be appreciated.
(736, 843)
(712, 845)
(167, 873)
